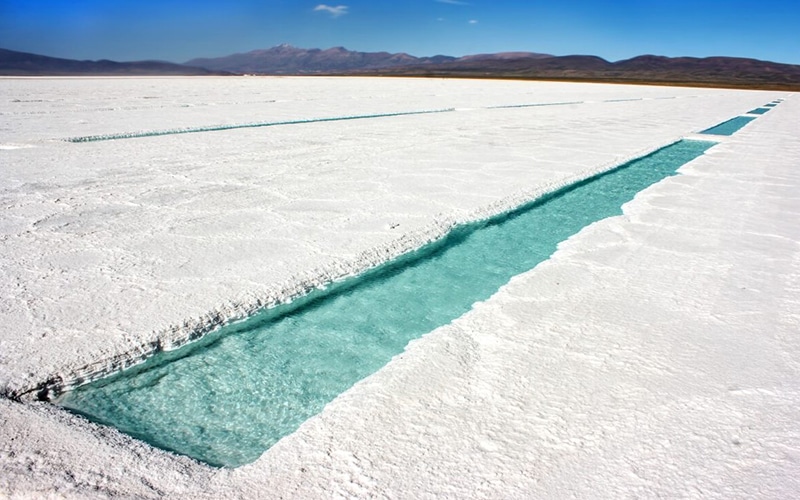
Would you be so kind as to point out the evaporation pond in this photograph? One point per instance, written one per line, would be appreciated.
(729, 127)
(227, 398)
(758, 111)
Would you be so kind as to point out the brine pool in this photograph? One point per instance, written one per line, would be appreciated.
(227, 398)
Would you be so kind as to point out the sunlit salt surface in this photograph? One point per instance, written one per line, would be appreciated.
(227, 398)
(729, 127)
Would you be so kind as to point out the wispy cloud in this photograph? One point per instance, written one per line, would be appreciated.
(453, 2)
(473, 21)
(337, 11)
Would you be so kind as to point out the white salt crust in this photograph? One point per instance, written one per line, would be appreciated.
(651, 356)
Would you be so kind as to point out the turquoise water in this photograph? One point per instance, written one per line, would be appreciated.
(758, 111)
(534, 105)
(729, 127)
(218, 128)
(227, 398)
(623, 100)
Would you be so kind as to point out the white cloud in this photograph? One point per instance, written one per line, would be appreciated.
(337, 11)
(453, 2)
(473, 21)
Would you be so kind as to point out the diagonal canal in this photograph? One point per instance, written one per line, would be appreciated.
(729, 127)
(219, 128)
(227, 398)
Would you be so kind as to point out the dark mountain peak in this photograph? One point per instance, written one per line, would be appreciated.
(283, 48)
(402, 58)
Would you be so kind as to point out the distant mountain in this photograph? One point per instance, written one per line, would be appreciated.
(285, 59)
(14, 63)
(709, 71)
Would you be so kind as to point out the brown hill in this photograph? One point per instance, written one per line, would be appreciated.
(710, 71)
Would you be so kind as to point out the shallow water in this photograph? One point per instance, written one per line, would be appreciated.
(229, 397)
(729, 127)
(218, 128)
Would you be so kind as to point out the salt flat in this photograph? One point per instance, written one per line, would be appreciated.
(653, 355)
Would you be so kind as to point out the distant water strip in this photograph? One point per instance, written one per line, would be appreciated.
(534, 105)
(230, 396)
(758, 111)
(216, 128)
(729, 127)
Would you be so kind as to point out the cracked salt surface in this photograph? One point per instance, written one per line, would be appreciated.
(629, 364)
(124, 247)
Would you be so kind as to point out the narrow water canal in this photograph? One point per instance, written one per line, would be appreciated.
(226, 399)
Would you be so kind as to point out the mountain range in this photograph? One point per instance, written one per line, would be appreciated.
(13, 63)
(731, 72)
(287, 60)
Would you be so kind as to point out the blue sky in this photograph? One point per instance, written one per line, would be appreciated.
(178, 30)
